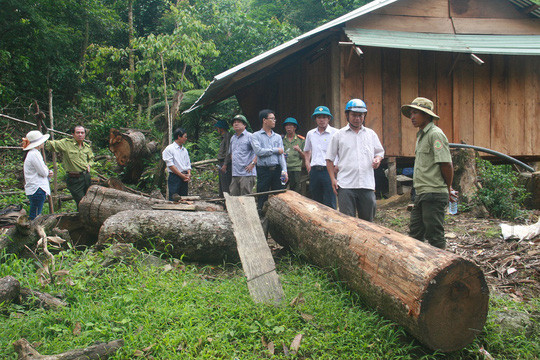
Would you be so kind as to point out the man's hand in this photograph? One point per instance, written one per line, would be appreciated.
(297, 148)
(223, 169)
(376, 162)
(334, 185)
(250, 167)
(280, 150)
(453, 195)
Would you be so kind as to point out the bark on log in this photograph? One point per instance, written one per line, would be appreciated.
(198, 236)
(95, 352)
(439, 297)
(9, 289)
(100, 203)
(465, 176)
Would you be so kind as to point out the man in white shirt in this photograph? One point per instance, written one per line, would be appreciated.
(317, 140)
(176, 158)
(359, 151)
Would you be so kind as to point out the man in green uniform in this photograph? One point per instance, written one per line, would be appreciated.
(77, 156)
(294, 155)
(433, 174)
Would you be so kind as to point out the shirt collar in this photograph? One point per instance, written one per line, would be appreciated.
(348, 128)
(325, 130)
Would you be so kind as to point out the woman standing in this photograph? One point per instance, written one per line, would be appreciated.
(36, 173)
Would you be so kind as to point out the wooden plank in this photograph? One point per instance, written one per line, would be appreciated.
(433, 8)
(391, 102)
(334, 73)
(516, 106)
(427, 75)
(352, 78)
(499, 104)
(409, 91)
(482, 103)
(497, 9)
(532, 104)
(392, 177)
(497, 26)
(421, 24)
(373, 90)
(463, 101)
(257, 262)
(443, 103)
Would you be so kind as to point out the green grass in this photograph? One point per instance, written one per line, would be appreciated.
(194, 312)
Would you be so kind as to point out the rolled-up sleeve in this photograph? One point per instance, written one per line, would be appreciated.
(167, 156)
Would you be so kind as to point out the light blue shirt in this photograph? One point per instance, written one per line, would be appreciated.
(267, 149)
(242, 154)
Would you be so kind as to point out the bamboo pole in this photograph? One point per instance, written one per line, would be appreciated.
(35, 125)
(54, 159)
(40, 116)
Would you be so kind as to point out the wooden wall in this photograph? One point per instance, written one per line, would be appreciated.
(495, 105)
(293, 90)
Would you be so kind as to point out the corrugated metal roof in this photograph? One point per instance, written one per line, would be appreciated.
(478, 44)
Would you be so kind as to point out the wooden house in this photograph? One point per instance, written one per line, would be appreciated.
(478, 60)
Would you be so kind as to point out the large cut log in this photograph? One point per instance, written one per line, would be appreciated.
(196, 236)
(439, 297)
(130, 149)
(100, 203)
(100, 351)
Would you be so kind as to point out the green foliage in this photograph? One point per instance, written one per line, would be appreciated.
(501, 193)
(205, 148)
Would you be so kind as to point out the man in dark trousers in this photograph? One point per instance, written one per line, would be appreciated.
(224, 158)
(433, 174)
(77, 156)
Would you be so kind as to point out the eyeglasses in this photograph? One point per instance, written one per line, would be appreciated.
(271, 119)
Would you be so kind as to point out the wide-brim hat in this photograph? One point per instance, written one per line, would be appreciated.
(241, 118)
(420, 103)
(33, 139)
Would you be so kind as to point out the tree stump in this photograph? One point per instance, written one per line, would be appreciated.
(439, 297)
(465, 176)
(130, 149)
(9, 289)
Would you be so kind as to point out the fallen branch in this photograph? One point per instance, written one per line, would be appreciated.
(95, 352)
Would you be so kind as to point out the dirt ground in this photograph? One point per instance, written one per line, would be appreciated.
(511, 266)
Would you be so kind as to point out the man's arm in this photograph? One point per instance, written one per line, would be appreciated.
(332, 172)
(184, 177)
(259, 150)
(447, 172)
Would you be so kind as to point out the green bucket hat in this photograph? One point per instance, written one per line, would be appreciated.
(321, 110)
(420, 103)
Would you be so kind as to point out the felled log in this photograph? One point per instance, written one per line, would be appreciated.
(439, 297)
(95, 352)
(130, 148)
(198, 236)
(100, 203)
(9, 289)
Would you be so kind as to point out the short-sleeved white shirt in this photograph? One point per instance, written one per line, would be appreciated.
(317, 143)
(356, 152)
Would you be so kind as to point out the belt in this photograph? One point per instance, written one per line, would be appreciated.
(76, 174)
(272, 167)
(318, 168)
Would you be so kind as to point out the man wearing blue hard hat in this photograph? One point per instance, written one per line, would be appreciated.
(294, 155)
(317, 141)
(359, 151)
(223, 157)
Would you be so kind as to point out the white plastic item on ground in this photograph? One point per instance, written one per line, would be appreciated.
(522, 232)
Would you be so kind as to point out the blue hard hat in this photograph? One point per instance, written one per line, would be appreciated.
(356, 105)
(321, 110)
(222, 124)
(290, 120)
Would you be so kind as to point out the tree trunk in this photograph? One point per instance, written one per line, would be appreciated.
(439, 297)
(100, 203)
(465, 176)
(45, 300)
(9, 289)
(197, 236)
(101, 351)
(130, 149)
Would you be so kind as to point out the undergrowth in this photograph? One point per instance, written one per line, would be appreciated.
(205, 312)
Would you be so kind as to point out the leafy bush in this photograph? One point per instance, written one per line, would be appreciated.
(501, 193)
